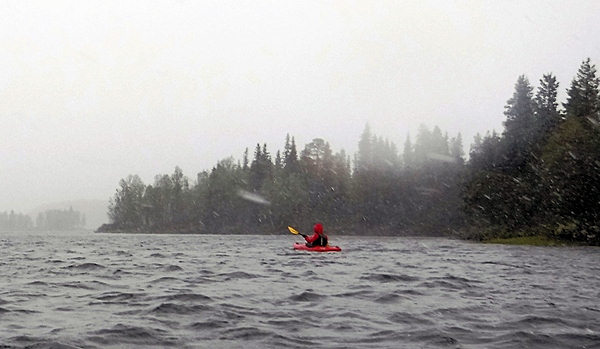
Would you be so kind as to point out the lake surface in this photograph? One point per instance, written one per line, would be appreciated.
(84, 290)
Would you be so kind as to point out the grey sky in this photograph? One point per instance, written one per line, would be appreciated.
(91, 91)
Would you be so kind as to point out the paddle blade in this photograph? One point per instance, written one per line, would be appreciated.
(293, 231)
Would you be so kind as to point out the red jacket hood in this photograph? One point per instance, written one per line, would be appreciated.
(318, 228)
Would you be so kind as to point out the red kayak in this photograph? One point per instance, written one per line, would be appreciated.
(303, 247)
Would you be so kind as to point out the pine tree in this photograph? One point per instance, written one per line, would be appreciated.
(456, 149)
(256, 169)
(245, 160)
(520, 128)
(546, 105)
(422, 145)
(519, 108)
(408, 153)
(364, 158)
(278, 162)
(583, 98)
(290, 157)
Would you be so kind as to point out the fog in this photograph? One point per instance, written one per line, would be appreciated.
(93, 91)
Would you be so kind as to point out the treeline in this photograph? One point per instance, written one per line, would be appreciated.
(542, 174)
(539, 176)
(60, 220)
(380, 192)
(47, 220)
(10, 221)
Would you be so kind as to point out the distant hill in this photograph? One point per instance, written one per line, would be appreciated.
(95, 211)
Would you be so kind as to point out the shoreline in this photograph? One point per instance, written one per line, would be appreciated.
(535, 240)
(531, 240)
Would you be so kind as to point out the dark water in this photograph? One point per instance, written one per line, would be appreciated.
(182, 291)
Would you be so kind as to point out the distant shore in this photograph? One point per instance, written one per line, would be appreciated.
(357, 230)
(533, 240)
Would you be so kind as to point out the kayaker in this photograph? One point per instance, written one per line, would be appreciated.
(318, 238)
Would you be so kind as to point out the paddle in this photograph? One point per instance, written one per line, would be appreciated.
(294, 231)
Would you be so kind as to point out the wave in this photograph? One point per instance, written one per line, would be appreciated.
(84, 285)
(447, 283)
(51, 345)
(119, 297)
(388, 298)
(85, 266)
(389, 278)
(307, 297)
(238, 275)
(365, 294)
(122, 334)
(185, 297)
(179, 309)
(171, 267)
(36, 283)
(208, 325)
(244, 333)
(409, 319)
(165, 279)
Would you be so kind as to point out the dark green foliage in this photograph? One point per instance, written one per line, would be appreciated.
(265, 196)
(539, 176)
(571, 175)
(520, 128)
(583, 95)
(126, 206)
(543, 175)
(546, 104)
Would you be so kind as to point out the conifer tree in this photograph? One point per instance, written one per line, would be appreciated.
(546, 105)
(408, 153)
(245, 160)
(364, 157)
(583, 98)
(290, 157)
(520, 127)
(456, 149)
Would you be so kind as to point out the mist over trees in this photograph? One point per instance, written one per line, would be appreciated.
(11, 221)
(540, 175)
(47, 220)
(377, 192)
(60, 220)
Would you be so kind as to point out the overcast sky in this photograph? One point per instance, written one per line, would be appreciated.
(91, 91)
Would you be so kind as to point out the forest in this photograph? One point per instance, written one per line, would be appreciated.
(48, 220)
(539, 176)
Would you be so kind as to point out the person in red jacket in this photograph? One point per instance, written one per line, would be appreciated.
(319, 238)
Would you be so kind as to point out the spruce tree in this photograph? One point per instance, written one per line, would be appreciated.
(546, 105)
(408, 153)
(583, 96)
(519, 127)
(456, 149)
(364, 159)
(245, 161)
(290, 157)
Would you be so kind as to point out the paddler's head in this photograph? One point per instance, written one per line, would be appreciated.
(318, 228)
